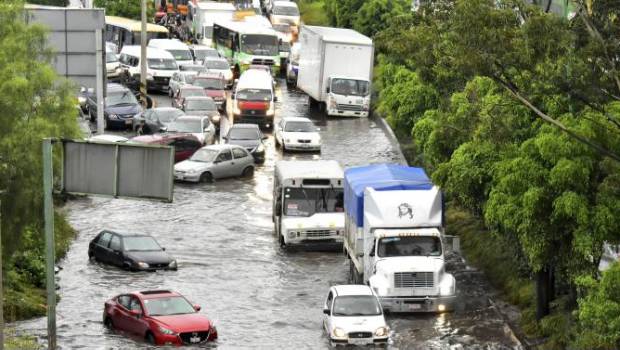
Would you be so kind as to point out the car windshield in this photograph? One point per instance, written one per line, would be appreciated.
(110, 57)
(168, 306)
(164, 115)
(258, 44)
(217, 64)
(243, 134)
(300, 201)
(282, 27)
(350, 87)
(201, 54)
(192, 92)
(254, 95)
(286, 11)
(185, 125)
(162, 64)
(409, 246)
(356, 305)
(140, 243)
(299, 127)
(191, 68)
(120, 98)
(203, 104)
(189, 78)
(209, 84)
(181, 55)
(204, 155)
(285, 46)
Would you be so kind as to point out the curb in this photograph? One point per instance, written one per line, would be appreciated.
(391, 136)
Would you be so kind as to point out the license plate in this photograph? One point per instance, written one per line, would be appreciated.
(127, 122)
(415, 306)
(358, 341)
(194, 340)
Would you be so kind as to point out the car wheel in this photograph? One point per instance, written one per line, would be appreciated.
(90, 255)
(281, 240)
(108, 323)
(150, 338)
(248, 172)
(206, 177)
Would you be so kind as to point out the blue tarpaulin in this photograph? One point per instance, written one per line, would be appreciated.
(380, 177)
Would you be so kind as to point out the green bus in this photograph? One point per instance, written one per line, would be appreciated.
(244, 44)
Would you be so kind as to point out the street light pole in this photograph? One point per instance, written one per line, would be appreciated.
(143, 57)
(50, 247)
(1, 289)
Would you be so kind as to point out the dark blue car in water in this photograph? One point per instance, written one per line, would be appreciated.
(119, 109)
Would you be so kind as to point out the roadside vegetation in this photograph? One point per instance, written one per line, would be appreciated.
(125, 8)
(313, 12)
(35, 103)
(515, 113)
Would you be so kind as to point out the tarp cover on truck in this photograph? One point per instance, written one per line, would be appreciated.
(380, 177)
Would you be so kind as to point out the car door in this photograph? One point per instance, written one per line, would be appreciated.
(223, 165)
(120, 316)
(327, 318)
(135, 324)
(102, 246)
(241, 160)
(115, 252)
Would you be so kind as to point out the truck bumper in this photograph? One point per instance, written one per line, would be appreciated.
(344, 113)
(332, 239)
(418, 304)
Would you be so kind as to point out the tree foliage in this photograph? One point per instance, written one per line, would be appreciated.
(125, 8)
(35, 104)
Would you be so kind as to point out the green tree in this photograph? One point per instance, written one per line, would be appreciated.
(126, 8)
(376, 15)
(61, 3)
(35, 104)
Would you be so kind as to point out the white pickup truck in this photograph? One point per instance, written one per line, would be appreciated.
(394, 237)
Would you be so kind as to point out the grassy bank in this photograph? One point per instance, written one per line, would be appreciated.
(14, 341)
(313, 12)
(24, 281)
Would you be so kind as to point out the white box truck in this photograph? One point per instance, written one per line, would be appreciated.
(335, 70)
(204, 13)
(394, 237)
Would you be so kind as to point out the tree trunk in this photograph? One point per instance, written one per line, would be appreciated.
(542, 293)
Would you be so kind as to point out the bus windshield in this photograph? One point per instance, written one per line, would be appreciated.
(350, 87)
(300, 201)
(257, 44)
(162, 64)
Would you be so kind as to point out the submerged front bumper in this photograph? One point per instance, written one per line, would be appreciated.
(418, 304)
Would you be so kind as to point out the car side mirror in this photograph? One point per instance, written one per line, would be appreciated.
(83, 89)
(327, 89)
(326, 311)
(197, 307)
(135, 313)
(275, 99)
(372, 253)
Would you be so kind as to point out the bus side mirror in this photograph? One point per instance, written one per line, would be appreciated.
(327, 89)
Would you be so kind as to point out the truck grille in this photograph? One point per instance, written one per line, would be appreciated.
(355, 108)
(263, 62)
(161, 80)
(319, 233)
(414, 280)
(359, 335)
(303, 141)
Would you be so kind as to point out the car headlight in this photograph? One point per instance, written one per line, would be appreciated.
(112, 116)
(143, 265)
(192, 171)
(381, 332)
(118, 69)
(287, 140)
(173, 264)
(165, 331)
(291, 234)
(260, 148)
(149, 76)
(339, 333)
(246, 62)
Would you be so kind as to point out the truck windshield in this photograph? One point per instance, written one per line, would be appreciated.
(356, 305)
(350, 87)
(409, 246)
(162, 64)
(285, 11)
(256, 44)
(301, 201)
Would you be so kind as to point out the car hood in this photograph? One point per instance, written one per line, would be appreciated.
(248, 144)
(199, 112)
(188, 165)
(359, 323)
(313, 136)
(150, 257)
(124, 109)
(215, 93)
(184, 323)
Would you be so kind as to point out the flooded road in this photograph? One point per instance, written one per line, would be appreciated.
(259, 296)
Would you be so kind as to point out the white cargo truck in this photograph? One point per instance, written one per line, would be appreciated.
(335, 70)
(394, 237)
(204, 13)
(308, 202)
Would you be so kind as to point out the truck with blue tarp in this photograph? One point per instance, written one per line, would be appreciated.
(394, 225)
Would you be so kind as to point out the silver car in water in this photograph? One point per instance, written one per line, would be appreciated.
(215, 162)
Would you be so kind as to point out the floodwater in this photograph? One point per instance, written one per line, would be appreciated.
(258, 295)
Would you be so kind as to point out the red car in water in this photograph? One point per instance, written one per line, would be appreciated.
(185, 145)
(214, 85)
(160, 317)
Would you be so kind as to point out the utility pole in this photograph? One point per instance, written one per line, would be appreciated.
(143, 57)
(50, 247)
(1, 289)
(99, 81)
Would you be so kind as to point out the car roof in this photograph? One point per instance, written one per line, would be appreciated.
(297, 119)
(115, 87)
(221, 146)
(190, 87)
(127, 234)
(148, 139)
(210, 75)
(216, 59)
(168, 44)
(309, 169)
(192, 117)
(189, 98)
(352, 289)
(284, 3)
(202, 47)
(152, 294)
(165, 109)
(151, 52)
(107, 138)
(255, 79)
(245, 126)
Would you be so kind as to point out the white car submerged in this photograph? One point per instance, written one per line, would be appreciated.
(199, 126)
(353, 315)
(215, 162)
(298, 134)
